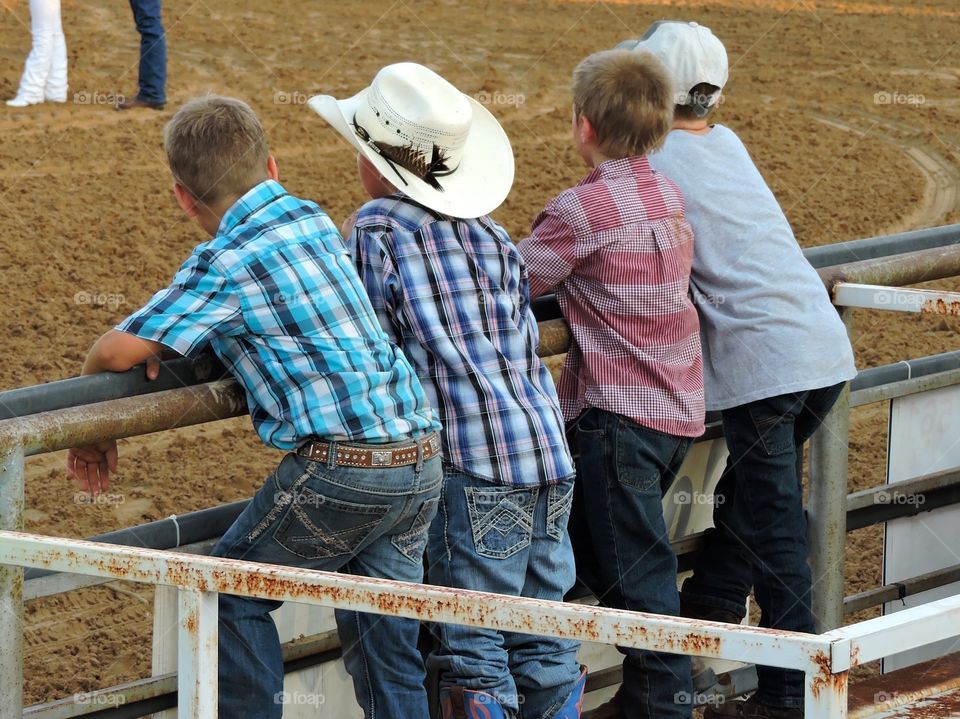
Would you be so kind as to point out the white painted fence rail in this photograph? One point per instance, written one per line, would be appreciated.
(825, 658)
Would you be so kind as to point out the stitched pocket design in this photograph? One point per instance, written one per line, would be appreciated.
(318, 527)
(501, 519)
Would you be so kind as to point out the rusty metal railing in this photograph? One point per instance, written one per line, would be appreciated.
(825, 659)
(199, 579)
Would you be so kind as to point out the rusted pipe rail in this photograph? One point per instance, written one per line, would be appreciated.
(126, 417)
(907, 269)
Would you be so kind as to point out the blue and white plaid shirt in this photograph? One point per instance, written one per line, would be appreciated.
(276, 295)
(453, 294)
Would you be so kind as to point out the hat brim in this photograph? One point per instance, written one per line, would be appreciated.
(477, 187)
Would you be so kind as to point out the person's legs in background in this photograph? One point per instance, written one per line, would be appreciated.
(55, 89)
(47, 61)
(153, 51)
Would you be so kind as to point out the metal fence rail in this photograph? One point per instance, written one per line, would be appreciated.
(825, 659)
(199, 579)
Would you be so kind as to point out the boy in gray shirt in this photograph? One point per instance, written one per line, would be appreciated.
(775, 358)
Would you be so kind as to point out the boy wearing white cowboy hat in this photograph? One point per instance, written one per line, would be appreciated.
(450, 289)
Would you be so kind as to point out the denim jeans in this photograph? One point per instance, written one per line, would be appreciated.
(153, 50)
(760, 535)
(370, 522)
(623, 550)
(508, 540)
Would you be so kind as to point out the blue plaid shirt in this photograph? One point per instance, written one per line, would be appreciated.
(276, 295)
(453, 294)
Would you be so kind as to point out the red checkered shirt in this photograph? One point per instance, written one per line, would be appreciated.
(617, 250)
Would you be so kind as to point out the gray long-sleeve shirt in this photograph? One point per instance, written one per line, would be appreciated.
(767, 323)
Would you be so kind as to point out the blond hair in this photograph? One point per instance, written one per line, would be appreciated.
(628, 98)
(216, 148)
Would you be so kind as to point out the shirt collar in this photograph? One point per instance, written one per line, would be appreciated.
(254, 199)
(635, 166)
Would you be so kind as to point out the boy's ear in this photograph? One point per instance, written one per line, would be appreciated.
(187, 202)
(586, 131)
(273, 172)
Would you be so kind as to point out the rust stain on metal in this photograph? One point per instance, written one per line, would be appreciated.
(930, 682)
(191, 624)
(825, 678)
(940, 307)
(700, 643)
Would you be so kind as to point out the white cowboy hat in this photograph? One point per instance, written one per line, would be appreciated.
(432, 142)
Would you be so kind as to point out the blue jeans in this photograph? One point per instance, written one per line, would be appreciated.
(508, 540)
(153, 50)
(760, 535)
(370, 522)
(623, 550)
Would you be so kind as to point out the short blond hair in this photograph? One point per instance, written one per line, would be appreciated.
(216, 148)
(628, 98)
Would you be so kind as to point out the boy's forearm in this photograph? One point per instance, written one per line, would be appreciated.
(118, 351)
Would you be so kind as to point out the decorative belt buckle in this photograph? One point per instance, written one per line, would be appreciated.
(434, 443)
(381, 457)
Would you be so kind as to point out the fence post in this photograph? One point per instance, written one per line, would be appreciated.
(827, 508)
(197, 655)
(11, 587)
(826, 694)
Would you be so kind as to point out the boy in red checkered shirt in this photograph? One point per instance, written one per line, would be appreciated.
(617, 251)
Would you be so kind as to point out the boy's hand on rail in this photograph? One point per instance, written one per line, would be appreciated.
(90, 466)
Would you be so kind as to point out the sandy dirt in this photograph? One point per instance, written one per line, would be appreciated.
(849, 110)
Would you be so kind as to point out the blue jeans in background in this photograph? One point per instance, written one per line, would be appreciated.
(508, 540)
(153, 50)
(370, 522)
(760, 535)
(623, 550)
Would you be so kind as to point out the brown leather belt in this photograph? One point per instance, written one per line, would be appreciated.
(398, 454)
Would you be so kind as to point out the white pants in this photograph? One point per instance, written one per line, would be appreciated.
(45, 72)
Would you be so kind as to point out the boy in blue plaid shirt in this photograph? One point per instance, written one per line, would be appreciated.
(275, 294)
(450, 289)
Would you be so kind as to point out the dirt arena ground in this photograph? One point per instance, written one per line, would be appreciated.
(849, 108)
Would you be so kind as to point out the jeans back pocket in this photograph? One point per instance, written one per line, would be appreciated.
(501, 519)
(319, 527)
